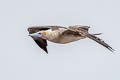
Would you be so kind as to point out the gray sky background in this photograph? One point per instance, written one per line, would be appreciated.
(22, 59)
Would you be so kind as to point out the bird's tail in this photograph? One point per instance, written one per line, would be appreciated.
(97, 34)
(98, 40)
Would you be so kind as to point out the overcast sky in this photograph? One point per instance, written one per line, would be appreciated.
(22, 59)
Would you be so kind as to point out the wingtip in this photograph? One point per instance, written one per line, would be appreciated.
(46, 51)
(111, 49)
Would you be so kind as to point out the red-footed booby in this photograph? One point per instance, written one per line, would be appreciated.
(62, 35)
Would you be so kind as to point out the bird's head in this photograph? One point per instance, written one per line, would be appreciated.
(38, 34)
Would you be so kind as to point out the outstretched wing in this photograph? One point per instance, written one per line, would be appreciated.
(34, 29)
(76, 30)
(83, 31)
(41, 43)
(100, 41)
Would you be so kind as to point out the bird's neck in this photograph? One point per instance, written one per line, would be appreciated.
(50, 35)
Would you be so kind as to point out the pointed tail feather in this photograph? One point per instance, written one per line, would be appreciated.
(97, 34)
(98, 40)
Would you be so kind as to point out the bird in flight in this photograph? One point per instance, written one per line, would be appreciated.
(62, 35)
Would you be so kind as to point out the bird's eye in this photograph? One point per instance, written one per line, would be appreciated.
(39, 33)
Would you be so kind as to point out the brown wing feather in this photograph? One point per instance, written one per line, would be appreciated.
(34, 29)
(83, 30)
(70, 32)
(99, 41)
(76, 30)
(42, 44)
(79, 27)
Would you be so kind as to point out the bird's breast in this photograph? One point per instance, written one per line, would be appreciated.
(64, 39)
(57, 37)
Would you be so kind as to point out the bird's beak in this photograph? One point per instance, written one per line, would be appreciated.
(35, 35)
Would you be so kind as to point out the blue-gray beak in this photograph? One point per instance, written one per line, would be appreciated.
(35, 35)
